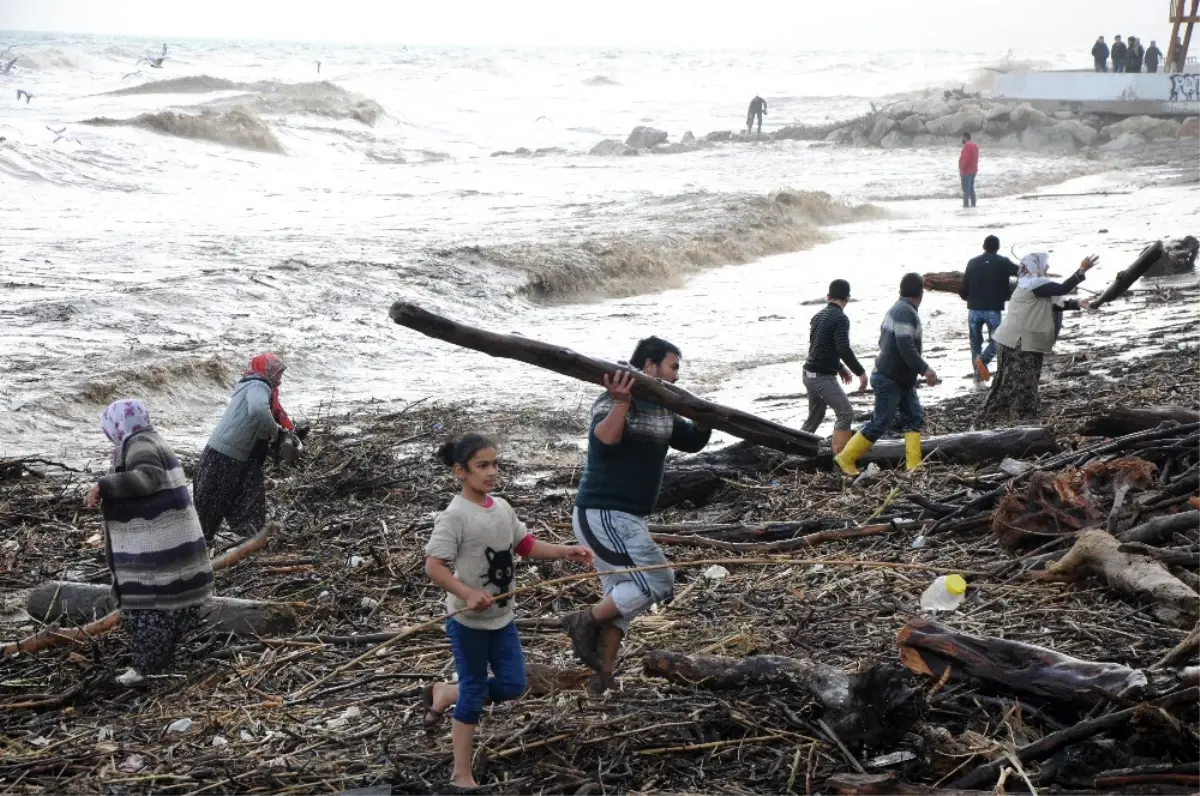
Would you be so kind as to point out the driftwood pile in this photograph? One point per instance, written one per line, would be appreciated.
(792, 668)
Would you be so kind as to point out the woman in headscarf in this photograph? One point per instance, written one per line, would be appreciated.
(1028, 332)
(153, 542)
(229, 476)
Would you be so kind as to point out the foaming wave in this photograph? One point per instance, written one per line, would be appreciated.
(193, 84)
(601, 80)
(320, 98)
(238, 127)
(182, 377)
(983, 78)
(732, 230)
(45, 59)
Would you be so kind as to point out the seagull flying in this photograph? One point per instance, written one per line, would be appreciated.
(8, 66)
(60, 134)
(22, 92)
(155, 63)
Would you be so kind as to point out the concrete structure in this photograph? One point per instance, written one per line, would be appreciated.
(1157, 94)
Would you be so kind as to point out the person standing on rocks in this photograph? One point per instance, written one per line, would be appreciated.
(1153, 56)
(968, 167)
(758, 109)
(830, 355)
(897, 369)
(1100, 55)
(985, 288)
(1118, 54)
(627, 450)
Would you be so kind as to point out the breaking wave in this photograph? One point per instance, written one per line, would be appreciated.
(732, 230)
(238, 127)
(194, 84)
(320, 98)
(176, 377)
(44, 59)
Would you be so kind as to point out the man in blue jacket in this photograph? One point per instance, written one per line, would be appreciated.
(986, 289)
(897, 369)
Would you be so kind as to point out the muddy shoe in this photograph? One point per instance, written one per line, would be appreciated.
(584, 632)
(598, 684)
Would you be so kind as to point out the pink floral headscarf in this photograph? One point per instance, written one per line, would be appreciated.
(122, 419)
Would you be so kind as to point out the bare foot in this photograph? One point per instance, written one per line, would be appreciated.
(466, 783)
(444, 696)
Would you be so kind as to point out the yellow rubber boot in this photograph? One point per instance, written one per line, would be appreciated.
(848, 458)
(912, 449)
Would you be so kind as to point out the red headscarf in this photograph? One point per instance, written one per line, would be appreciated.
(270, 367)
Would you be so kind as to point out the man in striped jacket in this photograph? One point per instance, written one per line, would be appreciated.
(830, 356)
(897, 369)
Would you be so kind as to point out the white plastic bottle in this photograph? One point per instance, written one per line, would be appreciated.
(944, 594)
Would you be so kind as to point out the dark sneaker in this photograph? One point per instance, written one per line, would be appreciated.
(599, 683)
(584, 632)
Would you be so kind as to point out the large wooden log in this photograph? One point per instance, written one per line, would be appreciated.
(1121, 421)
(927, 648)
(570, 363)
(60, 600)
(1097, 552)
(970, 447)
(1149, 256)
(944, 281)
(875, 707)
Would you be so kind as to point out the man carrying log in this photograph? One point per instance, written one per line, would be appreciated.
(897, 369)
(830, 355)
(985, 288)
(627, 450)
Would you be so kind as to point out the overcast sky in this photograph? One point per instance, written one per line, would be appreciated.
(988, 25)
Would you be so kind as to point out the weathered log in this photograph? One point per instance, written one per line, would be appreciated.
(889, 785)
(970, 447)
(944, 281)
(569, 363)
(875, 707)
(1120, 422)
(543, 680)
(692, 485)
(1149, 256)
(927, 648)
(780, 545)
(1161, 528)
(1098, 552)
(1041, 749)
(59, 600)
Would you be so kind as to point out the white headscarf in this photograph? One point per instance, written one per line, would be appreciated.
(1034, 268)
(1032, 273)
(121, 420)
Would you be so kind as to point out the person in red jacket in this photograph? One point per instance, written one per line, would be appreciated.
(968, 167)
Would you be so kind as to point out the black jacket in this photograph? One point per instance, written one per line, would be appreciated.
(985, 284)
(1100, 51)
(1118, 53)
(1153, 56)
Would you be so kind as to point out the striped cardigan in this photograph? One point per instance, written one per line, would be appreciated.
(154, 544)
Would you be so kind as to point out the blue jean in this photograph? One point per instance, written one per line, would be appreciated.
(891, 397)
(976, 320)
(474, 650)
(968, 189)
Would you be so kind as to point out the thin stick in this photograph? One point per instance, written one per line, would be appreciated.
(777, 562)
(833, 736)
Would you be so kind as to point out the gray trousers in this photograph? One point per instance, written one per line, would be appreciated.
(825, 391)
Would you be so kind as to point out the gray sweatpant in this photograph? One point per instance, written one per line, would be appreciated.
(824, 391)
(622, 541)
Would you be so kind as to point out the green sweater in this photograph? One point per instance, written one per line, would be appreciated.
(627, 476)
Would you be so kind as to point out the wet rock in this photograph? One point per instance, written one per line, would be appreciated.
(1058, 142)
(1146, 126)
(882, 127)
(841, 135)
(1079, 132)
(1034, 139)
(525, 152)
(1062, 116)
(931, 108)
(965, 121)
(912, 124)
(1025, 115)
(997, 113)
(718, 135)
(608, 148)
(859, 138)
(688, 139)
(924, 139)
(644, 137)
(1010, 141)
(1125, 142)
(996, 127)
(895, 140)
(1190, 128)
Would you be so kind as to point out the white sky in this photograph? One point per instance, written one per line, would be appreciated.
(981, 25)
